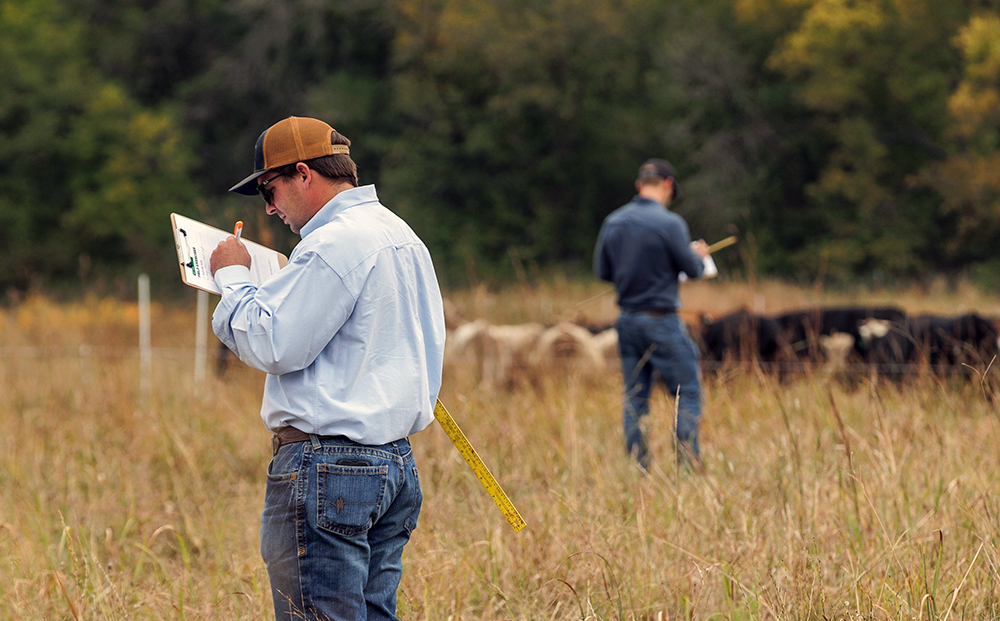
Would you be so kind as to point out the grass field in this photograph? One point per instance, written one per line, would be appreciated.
(820, 499)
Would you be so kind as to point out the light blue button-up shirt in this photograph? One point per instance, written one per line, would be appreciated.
(351, 332)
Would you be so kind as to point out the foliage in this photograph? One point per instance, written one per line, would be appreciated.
(87, 174)
(838, 138)
(522, 120)
(968, 181)
(874, 75)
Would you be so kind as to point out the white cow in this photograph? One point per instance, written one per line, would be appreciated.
(567, 345)
(507, 351)
(607, 343)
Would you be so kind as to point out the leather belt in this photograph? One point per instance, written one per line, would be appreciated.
(287, 435)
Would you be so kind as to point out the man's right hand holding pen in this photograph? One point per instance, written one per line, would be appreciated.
(703, 250)
(700, 248)
(230, 252)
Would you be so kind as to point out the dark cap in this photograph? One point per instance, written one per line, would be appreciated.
(295, 139)
(661, 169)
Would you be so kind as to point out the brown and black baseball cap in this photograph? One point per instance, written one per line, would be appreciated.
(295, 139)
(661, 169)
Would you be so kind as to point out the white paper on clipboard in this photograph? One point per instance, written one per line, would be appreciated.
(195, 242)
(711, 271)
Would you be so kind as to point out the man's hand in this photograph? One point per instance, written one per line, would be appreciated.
(700, 248)
(229, 252)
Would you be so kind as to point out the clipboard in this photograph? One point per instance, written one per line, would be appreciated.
(711, 271)
(195, 242)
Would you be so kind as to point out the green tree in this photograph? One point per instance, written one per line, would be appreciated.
(523, 122)
(875, 76)
(231, 69)
(86, 174)
(744, 156)
(968, 180)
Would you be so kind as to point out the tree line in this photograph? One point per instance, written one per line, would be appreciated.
(840, 139)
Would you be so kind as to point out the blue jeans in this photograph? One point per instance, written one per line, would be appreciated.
(647, 343)
(336, 517)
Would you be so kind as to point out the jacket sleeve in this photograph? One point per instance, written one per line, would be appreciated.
(679, 242)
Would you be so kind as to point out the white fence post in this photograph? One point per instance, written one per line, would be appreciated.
(200, 338)
(145, 341)
(85, 363)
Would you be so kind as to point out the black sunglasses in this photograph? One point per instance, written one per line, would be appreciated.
(268, 193)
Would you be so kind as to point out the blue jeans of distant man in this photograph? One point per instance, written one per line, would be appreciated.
(336, 517)
(650, 343)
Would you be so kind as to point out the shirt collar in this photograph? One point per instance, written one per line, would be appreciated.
(642, 200)
(339, 203)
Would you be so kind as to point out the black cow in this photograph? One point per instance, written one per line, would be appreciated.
(943, 343)
(803, 329)
(890, 353)
(947, 342)
(742, 336)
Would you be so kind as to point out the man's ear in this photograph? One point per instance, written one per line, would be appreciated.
(303, 171)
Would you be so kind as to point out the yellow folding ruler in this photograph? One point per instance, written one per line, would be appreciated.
(725, 243)
(478, 467)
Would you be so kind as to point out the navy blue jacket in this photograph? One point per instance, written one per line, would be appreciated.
(641, 248)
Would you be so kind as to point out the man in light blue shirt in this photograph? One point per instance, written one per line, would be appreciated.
(351, 334)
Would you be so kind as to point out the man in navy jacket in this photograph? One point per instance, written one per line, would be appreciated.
(641, 249)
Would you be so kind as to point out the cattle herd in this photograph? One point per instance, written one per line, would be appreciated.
(880, 339)
(883, 340)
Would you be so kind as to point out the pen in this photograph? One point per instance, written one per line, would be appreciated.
(238, 229)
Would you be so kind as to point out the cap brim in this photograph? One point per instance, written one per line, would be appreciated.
(248, 187)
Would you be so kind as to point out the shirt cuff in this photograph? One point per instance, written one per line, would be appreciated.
(232, 276)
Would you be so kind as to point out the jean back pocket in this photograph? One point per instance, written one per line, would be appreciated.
(349, 497)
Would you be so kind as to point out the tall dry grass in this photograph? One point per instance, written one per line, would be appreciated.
(820, 499)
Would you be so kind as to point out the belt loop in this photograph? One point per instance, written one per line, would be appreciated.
(315, 441)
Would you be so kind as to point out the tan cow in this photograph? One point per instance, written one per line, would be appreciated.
(566, 345)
